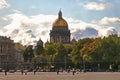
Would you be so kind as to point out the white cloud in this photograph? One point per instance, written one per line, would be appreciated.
(95, 6)
(22, 28)
(3, 4)
(28, 29)
(33, 7)
(101, 0)
(108, 20)
(81, 29)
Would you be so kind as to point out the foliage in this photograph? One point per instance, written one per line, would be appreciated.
(59, 58)
(50, 49)
(103, 51)
(28, 53)
(40, 61)
(39, 49)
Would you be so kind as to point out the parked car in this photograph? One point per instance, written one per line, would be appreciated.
(0, 69)
(3, 70)
(11, 71)
(18, 70)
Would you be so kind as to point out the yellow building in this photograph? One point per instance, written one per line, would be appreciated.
(7, 53)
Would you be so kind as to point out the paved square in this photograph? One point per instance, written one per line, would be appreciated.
(61, 76)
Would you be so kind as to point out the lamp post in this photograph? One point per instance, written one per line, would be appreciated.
(83, 64)
(65, 62)
(98, 67)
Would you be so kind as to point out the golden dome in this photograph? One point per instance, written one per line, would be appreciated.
(60, 22)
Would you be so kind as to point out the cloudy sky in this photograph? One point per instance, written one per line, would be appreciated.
(26, 21)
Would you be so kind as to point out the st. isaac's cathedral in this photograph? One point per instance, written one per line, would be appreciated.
(60, 32)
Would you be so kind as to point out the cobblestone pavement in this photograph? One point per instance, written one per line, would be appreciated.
(61, 76)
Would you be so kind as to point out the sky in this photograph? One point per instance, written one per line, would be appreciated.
(27, 21)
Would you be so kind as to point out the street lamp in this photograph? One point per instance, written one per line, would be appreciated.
(65, 62)
(83, 64)
(98, 67)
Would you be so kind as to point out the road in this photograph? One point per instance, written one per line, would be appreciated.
(61, 76)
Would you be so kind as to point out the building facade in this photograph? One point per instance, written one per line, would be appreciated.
(19, 50)
(7, 53)
(60, 32)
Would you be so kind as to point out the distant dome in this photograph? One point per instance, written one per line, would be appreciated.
(60, 23)
(60, 32)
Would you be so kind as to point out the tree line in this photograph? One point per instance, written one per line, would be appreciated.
(88, 53)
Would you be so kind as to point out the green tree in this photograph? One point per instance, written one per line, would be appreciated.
(76, 55)
(50, 51)
(107, 51)
(89, 49)
(39, 48)
(40, 61)
(28, 53)
(68, 49)
(59, 57)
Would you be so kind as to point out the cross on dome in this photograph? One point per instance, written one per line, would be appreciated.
(60, 14)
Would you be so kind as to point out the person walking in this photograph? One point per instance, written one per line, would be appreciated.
(25, 72)
(73, 71)
(22, 71)
(57, 71)
(5, 72)
(34, 71)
